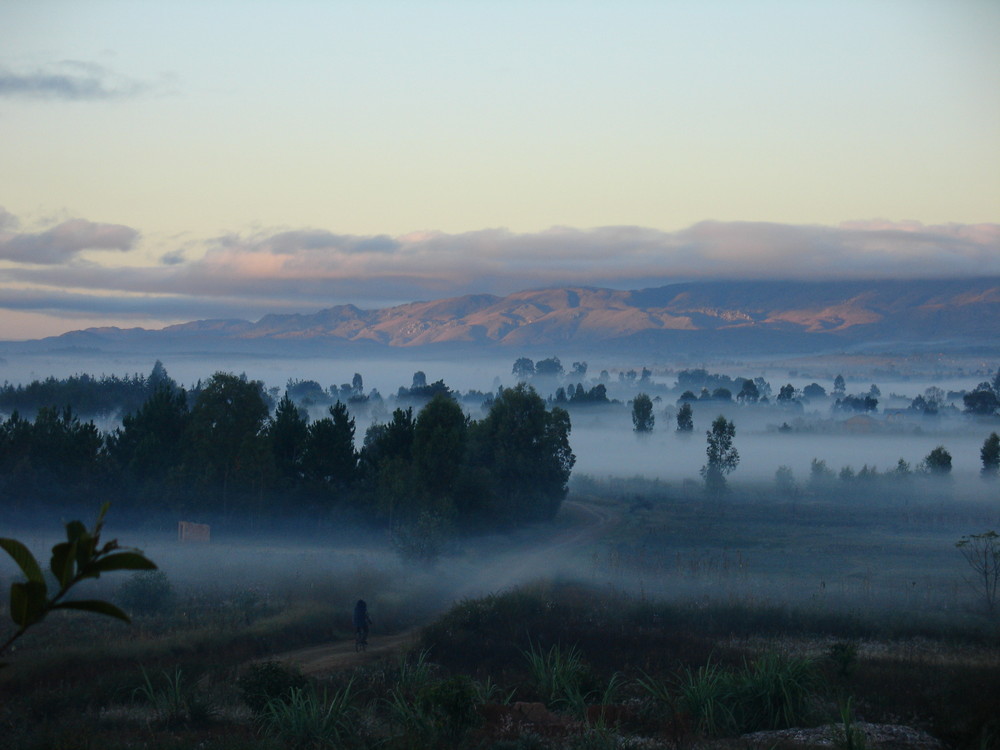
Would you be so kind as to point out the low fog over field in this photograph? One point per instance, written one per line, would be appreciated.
(602, 437)
(628, 490)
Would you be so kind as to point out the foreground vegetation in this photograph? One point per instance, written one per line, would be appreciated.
(705, 619)
(549, 665)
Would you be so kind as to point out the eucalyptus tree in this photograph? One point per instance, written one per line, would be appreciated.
(723, 458)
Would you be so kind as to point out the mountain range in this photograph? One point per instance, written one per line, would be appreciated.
(713, 316)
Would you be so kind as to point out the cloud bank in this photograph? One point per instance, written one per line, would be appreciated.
(72, 80)
(64, 242)
(303, 270)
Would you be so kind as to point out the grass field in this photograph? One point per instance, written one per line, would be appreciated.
(685, 622)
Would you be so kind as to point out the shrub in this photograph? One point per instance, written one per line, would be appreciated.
(844, 656)
(450, 704)
(269, 681)
(146, 593)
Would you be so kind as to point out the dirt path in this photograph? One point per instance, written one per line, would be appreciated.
(589, 523)
(333, 657)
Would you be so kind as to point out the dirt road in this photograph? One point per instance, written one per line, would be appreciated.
(587, 524)
(333, 657)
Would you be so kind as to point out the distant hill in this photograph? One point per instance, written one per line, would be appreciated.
(715, 316)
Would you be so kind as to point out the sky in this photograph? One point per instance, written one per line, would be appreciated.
(170, 161)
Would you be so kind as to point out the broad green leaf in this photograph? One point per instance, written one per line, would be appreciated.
(120, 561)
(27, 602)
(97, 606)
(84, 549)
(74, 530)
(24, 559)
(63, 557)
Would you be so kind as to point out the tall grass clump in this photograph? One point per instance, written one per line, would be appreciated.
(412, 723)
(848, 735)
(705, 694)
(305, 720)
(774, 692)
(558, 676)
(174, 701)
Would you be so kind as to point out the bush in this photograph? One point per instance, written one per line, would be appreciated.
(269, 681)
(451, 706)
(146, 593)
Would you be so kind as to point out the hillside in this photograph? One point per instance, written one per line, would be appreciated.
(749, 317)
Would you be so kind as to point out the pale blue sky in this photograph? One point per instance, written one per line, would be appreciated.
(243, 152)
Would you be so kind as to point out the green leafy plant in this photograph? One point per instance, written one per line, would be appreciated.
(307, 720)
(80, 557)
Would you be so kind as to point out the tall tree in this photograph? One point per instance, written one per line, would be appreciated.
(982, 401)
(523, 369)
(150, 443)
(286, 434)
(938, 461)
(723, 458)
(549, 368)
(329, 457)
(225, 447)
(685, 418)
(990, 455)
(526, 451)
(642, 413)
(749, 393)
(439, 441)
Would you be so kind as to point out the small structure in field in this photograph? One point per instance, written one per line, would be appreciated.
(193, 532)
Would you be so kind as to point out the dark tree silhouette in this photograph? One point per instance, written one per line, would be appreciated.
(523, 369)
(685, 418)
(286, 434)
(990, 455)
(329, 459)
(749, 393)
(723, 457)
(938, 461)
(642, 413)
(225, 447)
(439, 440)
(525, 449)
(150, 443)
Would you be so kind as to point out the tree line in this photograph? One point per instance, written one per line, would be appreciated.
(223, 453)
